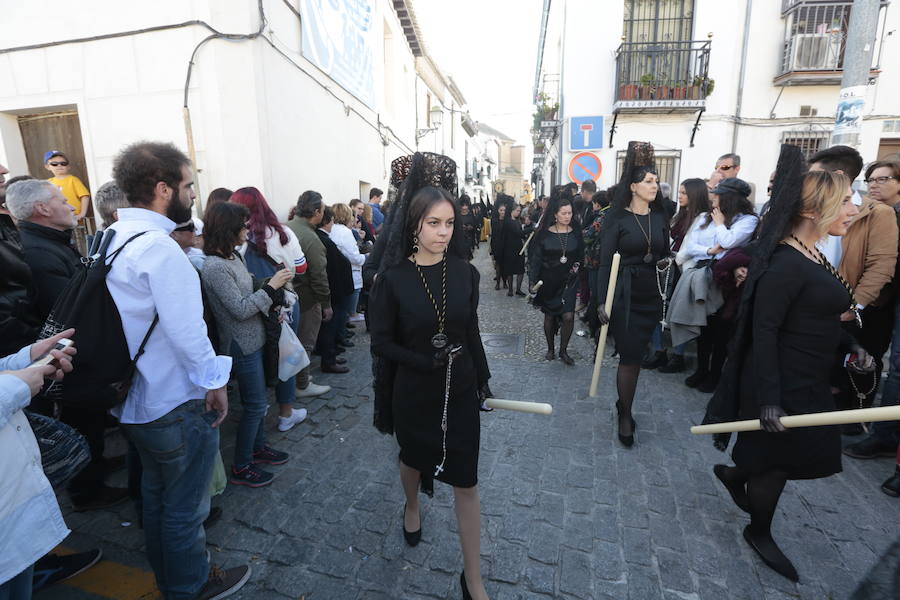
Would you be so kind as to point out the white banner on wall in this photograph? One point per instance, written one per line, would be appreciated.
(849, 114)
(337, 38)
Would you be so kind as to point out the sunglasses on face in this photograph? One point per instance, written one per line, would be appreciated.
(725, 167)
(880, 180)
(62, 163)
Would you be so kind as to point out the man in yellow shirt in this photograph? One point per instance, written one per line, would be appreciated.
(75, 192)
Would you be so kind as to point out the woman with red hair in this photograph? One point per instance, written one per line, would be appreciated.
(269, 247)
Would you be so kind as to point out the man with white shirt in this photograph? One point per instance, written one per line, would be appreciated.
(178, 398)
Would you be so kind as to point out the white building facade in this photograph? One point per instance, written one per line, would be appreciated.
(702, 78)
(283, 96)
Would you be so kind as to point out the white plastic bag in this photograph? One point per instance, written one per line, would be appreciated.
(292, 357)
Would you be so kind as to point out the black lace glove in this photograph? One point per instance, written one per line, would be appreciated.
(769, 416)
(442, 356)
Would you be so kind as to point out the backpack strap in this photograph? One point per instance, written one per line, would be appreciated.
(146, 337)
(113, 256)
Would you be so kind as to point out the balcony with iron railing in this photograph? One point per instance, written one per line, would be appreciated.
(662, 77)
(814, 42)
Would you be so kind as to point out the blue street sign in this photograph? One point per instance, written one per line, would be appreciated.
(585, 133)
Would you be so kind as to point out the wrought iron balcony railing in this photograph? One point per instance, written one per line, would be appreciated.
(663, 75)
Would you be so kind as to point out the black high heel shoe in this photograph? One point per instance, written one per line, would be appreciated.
(626, 440)
(465, 588)
(412, 537)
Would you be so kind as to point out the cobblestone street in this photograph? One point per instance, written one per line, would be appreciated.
(567, 511)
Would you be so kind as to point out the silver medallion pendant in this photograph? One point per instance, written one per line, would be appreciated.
(648, 258)
(439, 341)
(563, 259)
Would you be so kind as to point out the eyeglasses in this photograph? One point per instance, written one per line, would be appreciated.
(725, 168)
(63, 163)
(880, 180)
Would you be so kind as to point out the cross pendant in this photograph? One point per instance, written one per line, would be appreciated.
(437, 470)
(860, 396)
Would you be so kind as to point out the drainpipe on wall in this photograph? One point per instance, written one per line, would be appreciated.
(740, 94)
(192, 154)
(562, 96)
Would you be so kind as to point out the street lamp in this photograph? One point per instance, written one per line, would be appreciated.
(437, 117)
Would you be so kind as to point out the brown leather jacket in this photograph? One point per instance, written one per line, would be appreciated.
(870, 252)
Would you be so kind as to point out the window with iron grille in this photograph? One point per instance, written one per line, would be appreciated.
(668, 164)
(657, 49)
(658, 20)
(809, 141)
(815, 36)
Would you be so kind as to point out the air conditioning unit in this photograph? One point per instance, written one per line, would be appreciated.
(815, 52)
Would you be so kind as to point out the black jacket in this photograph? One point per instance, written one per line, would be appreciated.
(53, 261)
(340, 272)
(19, 324)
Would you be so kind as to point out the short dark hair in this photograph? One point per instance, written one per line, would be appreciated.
(839, 158)
(327, 216)
(588, 185)
(222, 228)
(308, 203)
(139, 167)
(894, 165)
(354, 202)
(375, 192)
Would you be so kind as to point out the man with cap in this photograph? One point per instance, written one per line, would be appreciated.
(75, 192)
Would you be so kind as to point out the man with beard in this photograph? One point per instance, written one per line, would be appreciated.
(178, 397)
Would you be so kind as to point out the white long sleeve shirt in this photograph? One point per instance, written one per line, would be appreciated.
(346, 243)
(699, 239)
(153, 276)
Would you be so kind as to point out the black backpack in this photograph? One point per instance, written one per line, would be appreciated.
(103, 367)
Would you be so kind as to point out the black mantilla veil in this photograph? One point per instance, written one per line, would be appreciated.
(409, 174)
(639, 160)
(783, 207)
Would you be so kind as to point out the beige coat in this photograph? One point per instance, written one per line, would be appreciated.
(870, 252)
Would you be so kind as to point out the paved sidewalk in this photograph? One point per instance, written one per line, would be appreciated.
(567, 512)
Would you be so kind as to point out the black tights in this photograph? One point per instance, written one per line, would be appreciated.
(509, 283)
(626, 384)
(564, 324)
(763, 493)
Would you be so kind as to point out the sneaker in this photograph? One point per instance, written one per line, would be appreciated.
(105, 497)
(297, 417)
(358, 317)
(251, 476)
(869, 448)
(54, 568)
(313, 390)
(224, 582)
(270, 456)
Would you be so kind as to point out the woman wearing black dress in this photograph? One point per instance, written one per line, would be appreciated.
(788, 334)
(498, 214)
(424, 307)
(636, 226)
(554, 257)
(511, 260)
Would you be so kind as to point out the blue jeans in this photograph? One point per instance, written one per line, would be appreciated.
(251, 432)
(286, 391)
(656, 342)
(177, 453)
(354, 301)
(888, 432)
(19, 587)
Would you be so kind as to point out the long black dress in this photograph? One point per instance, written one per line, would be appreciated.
(403, 322)
(637, 306)
(511, 242)
(557, 294)
(796, 332)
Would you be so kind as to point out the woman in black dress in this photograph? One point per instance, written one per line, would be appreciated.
(636, 226)
(424, 306)
(788, 334)
(511, 259)
(498, 214)
(554, 257)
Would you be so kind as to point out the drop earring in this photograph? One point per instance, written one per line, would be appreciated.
(415, 244)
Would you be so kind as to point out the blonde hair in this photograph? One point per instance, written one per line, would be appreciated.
(342, 213)
(822, 194)
(367, 212)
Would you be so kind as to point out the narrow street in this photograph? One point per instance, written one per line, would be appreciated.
(568, 512)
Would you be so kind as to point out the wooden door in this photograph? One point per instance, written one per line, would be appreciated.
(53, 131)
(889, 149)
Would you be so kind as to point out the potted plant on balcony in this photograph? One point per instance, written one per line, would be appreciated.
(647, 89)
(702, 87)
(628, 91)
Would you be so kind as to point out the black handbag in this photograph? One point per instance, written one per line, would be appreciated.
(64, 451)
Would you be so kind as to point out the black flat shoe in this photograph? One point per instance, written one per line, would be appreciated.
(465, 588)
(551, 355)
(772, 555)
(412, 537)
(520, 293)
(738, 493)
(564, 356)
(696, 379)
(625, 440)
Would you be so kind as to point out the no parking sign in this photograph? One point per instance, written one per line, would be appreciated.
(584, 166)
